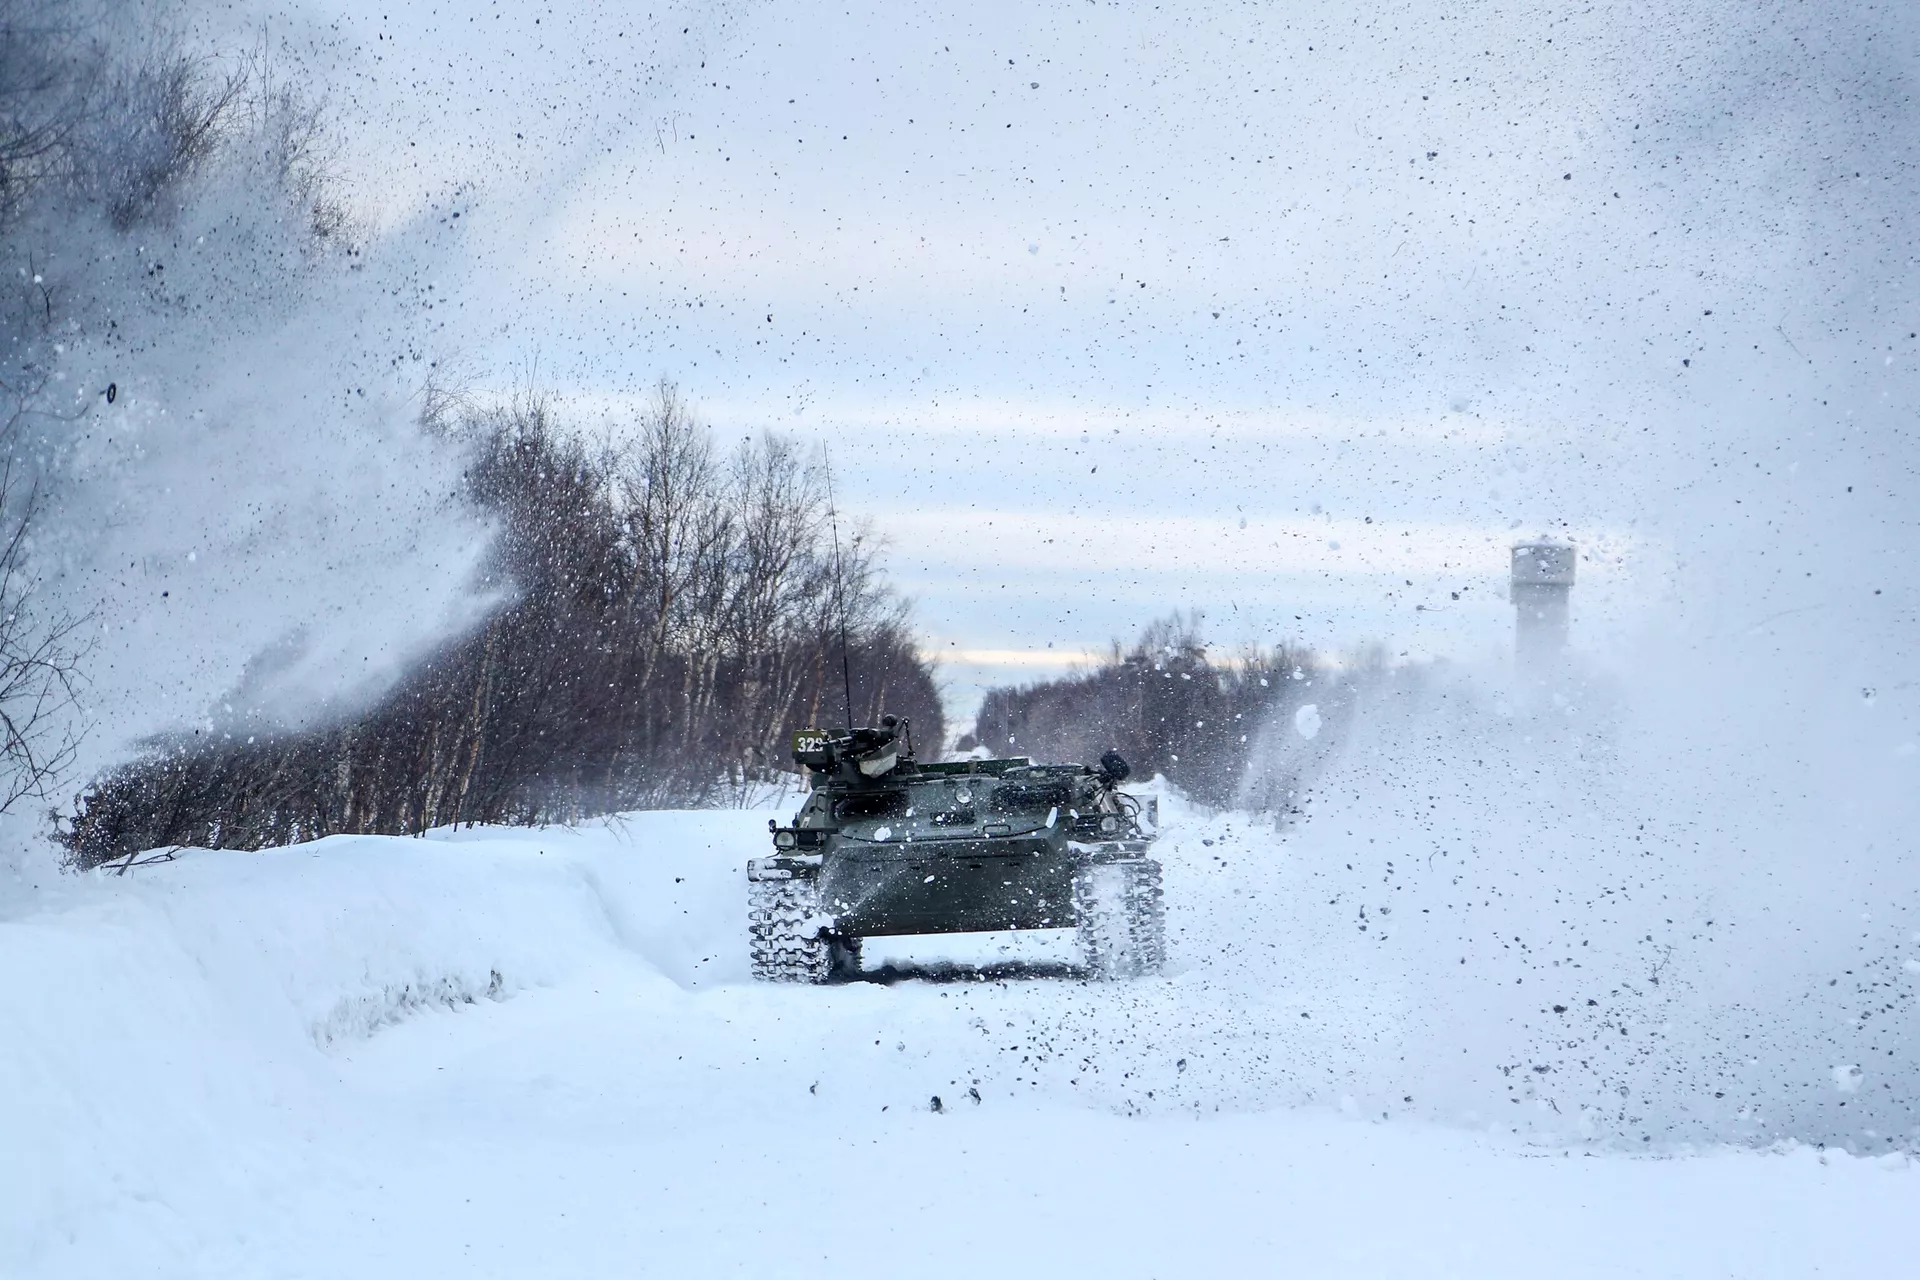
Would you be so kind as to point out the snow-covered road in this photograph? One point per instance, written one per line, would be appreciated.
(267, 1065)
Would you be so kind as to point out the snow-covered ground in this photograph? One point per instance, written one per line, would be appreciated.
(1620, 987)
(521, 1053)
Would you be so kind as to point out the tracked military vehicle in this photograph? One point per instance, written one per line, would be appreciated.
(885, 845)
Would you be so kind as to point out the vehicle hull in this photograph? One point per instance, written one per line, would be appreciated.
(948, 886)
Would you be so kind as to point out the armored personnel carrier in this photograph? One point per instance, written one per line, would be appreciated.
(885, 845)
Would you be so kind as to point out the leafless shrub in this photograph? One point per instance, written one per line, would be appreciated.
(132, 139)
(149, 131)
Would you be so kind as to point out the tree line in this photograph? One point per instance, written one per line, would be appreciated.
(676, 613)
(1170, 709)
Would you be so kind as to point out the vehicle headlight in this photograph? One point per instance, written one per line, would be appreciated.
(1109, 824)
(784, 839)
(963, 795)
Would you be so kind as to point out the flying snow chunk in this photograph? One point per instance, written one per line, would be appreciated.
(1847, 1078)
(1306, 721)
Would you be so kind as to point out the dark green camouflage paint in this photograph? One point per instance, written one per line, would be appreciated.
(968, 846)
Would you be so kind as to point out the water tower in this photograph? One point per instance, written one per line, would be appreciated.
(1542, 583)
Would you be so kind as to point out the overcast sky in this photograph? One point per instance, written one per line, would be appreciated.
(1297, 314)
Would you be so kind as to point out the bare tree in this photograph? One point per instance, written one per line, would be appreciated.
(667, 483)
(39, 654)
(287, 141)
(48, 76)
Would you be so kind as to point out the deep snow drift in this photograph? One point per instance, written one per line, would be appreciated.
(522, 1052)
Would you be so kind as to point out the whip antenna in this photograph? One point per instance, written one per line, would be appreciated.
(839, 591)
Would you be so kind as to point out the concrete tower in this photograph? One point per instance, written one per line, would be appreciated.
(1542, 581)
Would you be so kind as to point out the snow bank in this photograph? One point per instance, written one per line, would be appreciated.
(498, 1052)
(227, 985)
